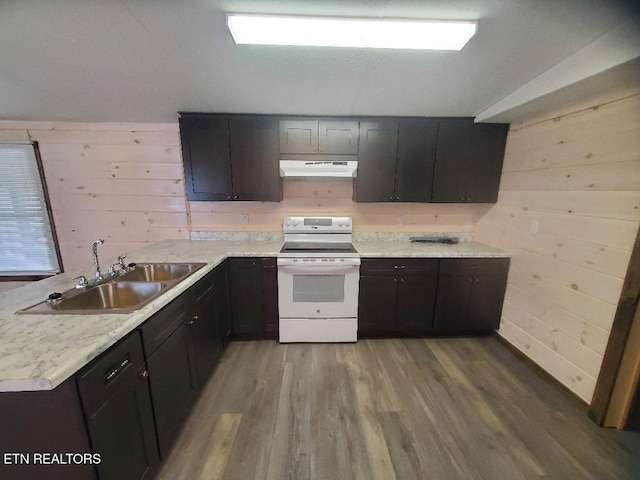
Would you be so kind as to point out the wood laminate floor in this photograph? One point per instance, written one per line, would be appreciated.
(446, 408)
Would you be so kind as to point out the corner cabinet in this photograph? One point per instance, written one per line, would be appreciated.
(230, 157)
(468, 161)
(470, 294)
(253, 294)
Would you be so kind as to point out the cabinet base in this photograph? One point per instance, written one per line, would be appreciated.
(318, 330)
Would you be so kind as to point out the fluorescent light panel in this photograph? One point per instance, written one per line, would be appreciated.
(350, 32)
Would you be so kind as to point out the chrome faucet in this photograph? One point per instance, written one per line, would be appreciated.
(96, 263)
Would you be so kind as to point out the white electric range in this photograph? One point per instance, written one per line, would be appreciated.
(318, 277)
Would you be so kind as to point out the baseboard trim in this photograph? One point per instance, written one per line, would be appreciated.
(516, 352)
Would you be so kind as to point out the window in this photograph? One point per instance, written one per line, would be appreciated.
(27, 241)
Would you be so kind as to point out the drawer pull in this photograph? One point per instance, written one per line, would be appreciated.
(115, 370)
(145, 374)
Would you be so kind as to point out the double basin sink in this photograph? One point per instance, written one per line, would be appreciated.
(122, 293)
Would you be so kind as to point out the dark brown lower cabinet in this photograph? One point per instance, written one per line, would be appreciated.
(115, 395)
(174, 385)
(470, 294)
(397, 297)
(207, 336)
(253, 292)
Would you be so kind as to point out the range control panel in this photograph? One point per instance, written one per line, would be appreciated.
(317, 224)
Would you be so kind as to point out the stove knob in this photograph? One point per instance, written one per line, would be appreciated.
(295, 223)
(347, 222)
(287, 222)
(339, 223)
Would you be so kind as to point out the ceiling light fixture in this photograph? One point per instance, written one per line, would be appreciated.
(350, 32)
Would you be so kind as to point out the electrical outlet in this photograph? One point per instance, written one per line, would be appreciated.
(245, 219)
(535, 226)
(400, 219)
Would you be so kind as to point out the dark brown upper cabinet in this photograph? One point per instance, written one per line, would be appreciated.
(376, 161)
(230, 157)
(468, 161)
(396, 160)
(416, 158)
(309, 137)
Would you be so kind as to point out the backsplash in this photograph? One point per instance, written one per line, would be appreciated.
(405, 236)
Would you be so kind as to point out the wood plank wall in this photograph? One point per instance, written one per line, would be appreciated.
(333, 197)
(575, 179)
(120, 182)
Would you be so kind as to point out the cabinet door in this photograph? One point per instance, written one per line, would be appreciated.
(223, 312)
(254, 159)
(298, 136)
(485, 304)
(205, 152)
(416, 159)
(486, 167)
(270, 297)
(377, 162)
(452, 303)
(245, 290)
(453, 156)
(339, 137)
(377, 306)
(174, 385)
(416, 303)
(123, 433)
(206, 335)
(468, 161)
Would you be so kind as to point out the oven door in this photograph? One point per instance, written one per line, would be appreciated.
(318, 288)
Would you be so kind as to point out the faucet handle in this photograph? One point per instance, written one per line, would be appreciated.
(81, 282)
(121, 261)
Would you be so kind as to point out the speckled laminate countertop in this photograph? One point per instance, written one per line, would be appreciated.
(39, 352)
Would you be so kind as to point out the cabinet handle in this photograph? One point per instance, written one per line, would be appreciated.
(470, 279)
(395, 266)
(228, 197)
(402, 266)
(145, 374)
(462, 198)
(114, 371)
(235, 197)
(391, 198)
(397, 198)
(193, 320)
(395, 279)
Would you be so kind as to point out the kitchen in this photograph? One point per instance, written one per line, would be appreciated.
(567, 210)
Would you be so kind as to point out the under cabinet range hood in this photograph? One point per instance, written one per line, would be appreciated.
(318, 168)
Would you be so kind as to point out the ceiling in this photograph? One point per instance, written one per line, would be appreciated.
(145, 60)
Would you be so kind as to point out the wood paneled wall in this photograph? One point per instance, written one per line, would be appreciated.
(120, 182)
(331, 196)
(568, 211)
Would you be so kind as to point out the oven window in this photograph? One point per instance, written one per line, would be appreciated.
(318, 288)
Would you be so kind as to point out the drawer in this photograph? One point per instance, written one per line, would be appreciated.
(105, 375)
(159, 327)
(204, 288)
(399, 266)
(474, 266)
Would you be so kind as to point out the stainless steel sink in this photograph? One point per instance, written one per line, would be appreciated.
(122, 293)
(159, 272)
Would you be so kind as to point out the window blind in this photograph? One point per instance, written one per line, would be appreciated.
(27, 246)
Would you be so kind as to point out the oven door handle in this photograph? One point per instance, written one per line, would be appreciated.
(316, 269)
